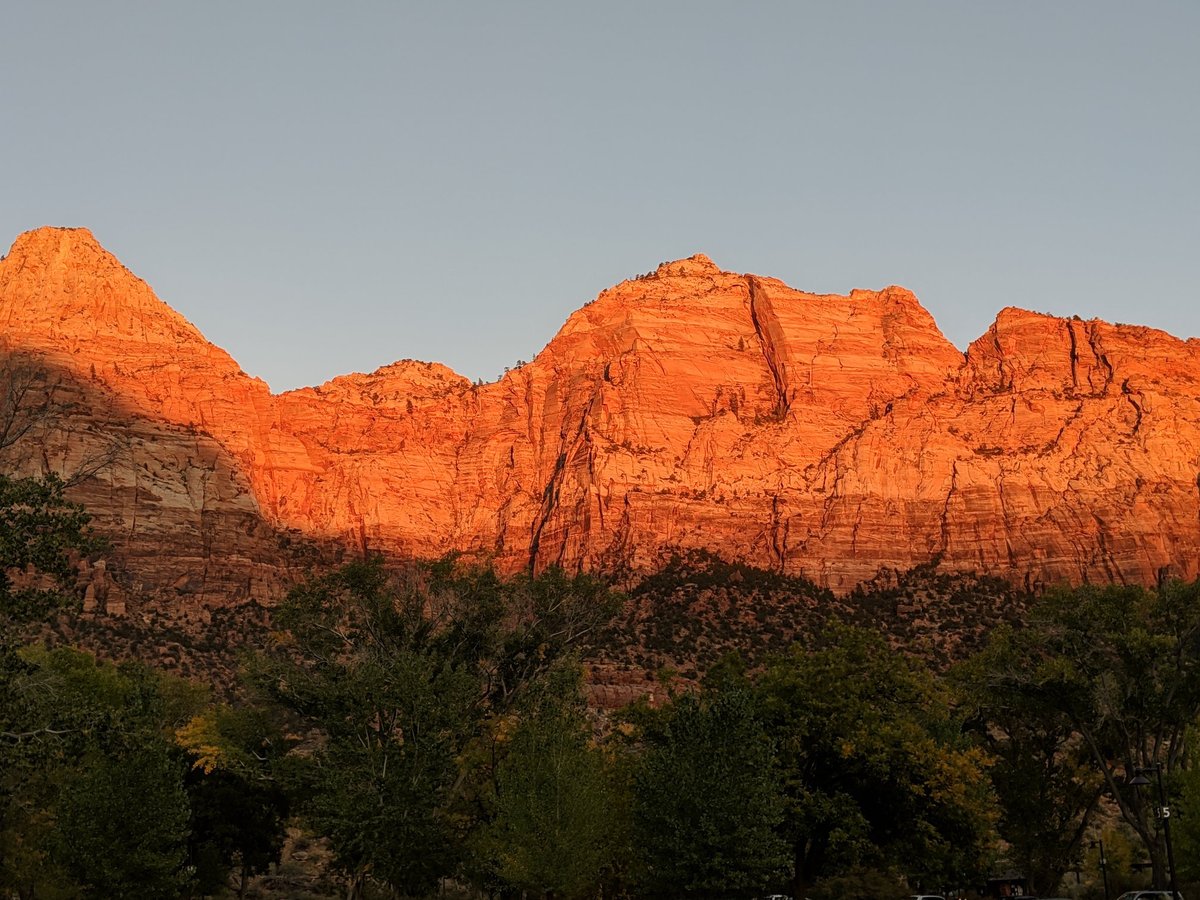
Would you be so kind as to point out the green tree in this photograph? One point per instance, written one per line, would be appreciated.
(239, 808)
(394, 711)
(860, 884)
(1042, 770)
(122, 822)
(876, 768)
(40, 533)
(707, 800)
(1186, 827)
(1122, 665)
(559, 823)
(105, 790)
(399, 674)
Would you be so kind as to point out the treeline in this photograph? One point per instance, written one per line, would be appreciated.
(427, 727)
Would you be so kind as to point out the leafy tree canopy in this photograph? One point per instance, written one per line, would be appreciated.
(40, 533)
(1121, 664)
(399, 674)
(707, 799)
(875, 765)
(97, 799)
(558, 824)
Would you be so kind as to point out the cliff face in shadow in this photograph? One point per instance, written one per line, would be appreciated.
(818, 436)
(182, 526)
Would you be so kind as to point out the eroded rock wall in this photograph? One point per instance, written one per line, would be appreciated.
(820, 435)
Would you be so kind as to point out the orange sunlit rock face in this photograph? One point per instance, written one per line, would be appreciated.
(693, 408)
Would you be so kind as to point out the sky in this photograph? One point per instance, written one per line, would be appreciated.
(326, 188)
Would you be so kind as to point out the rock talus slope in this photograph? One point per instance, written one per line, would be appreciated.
(820, 435)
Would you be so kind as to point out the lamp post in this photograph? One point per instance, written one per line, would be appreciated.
(1099, 842)
(1163, 812)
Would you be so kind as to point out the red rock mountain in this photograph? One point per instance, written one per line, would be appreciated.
(820, 435)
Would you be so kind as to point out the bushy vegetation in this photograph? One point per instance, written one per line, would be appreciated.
(426, 729)
(699, 607)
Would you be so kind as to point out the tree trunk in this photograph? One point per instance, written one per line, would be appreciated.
(809, 860)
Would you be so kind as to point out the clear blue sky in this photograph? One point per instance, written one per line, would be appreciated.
(324, 187)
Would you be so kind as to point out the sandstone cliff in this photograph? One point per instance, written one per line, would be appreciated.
(818, 435)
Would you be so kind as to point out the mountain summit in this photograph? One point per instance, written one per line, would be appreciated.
(60, 282)
(814, 434)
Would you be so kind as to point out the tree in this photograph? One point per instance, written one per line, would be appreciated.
(40, 534)
(876, 768)
(399, 674)
(707, 800)
(1042, 769)
(860, 884)
(104, 789)
(91, 793)
(122, 822)
(559, 821)
(394, 710)
(239, 808)
(1186, 827)
(1122, 665)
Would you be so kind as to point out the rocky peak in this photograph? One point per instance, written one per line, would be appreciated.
(814, 434)
(693, 266)
(60, 283)
(49, 244)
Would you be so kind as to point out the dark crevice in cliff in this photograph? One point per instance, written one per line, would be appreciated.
(1198, 498)
(778, 545)
(858, 518)
(1101, 357)
(1137, 407)
(569, 449)
(1054, 441)
(764, 323)
(1005, 377)
(1074, 356)
(852, 435)
(1008, 548)
(1104, 553)
(549, 502)
(946, 509)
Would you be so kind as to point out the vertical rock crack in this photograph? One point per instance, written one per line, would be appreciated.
(767, 344)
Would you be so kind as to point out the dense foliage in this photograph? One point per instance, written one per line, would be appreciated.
(878, 770)
(428, 725)
(707, 800)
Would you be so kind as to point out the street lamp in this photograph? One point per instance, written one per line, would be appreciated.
(1103, 863)
(1163, 812)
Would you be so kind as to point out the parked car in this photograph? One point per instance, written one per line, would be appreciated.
(1150, 895)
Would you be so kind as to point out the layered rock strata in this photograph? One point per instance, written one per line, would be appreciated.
(818, 435)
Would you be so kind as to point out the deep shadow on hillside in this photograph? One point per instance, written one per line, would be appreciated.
(699, 608)
(674, 626)
(190, 565)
